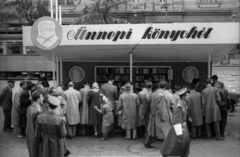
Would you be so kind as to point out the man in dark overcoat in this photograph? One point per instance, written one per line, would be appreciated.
(6, 103)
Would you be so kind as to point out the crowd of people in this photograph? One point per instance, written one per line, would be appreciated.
(47, 115)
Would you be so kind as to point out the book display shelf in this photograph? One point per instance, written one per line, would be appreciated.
(140, 74)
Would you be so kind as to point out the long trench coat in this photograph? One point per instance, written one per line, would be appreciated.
(159, 122)
(33, 144)
(195, 108)
(16, 109)
(108, 119)
(179, 145)
(128, 103)
(141, 119)
(209, 104)
(51, 127)
(73, 98)
(84, 108)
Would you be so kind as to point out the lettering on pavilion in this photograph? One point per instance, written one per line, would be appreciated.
(174, 35)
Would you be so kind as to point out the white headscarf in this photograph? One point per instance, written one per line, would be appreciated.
(95, 87)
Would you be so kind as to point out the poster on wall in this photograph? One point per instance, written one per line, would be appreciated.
(189, 73)
(76, 74)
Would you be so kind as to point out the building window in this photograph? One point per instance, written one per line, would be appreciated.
(14, 47)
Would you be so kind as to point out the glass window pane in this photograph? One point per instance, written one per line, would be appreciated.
(14, 48)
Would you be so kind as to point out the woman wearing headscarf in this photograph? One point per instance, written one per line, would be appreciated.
(177, 142)
(94, 100)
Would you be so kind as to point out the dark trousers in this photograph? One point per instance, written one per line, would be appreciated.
(148, 141)
(7, 119)
(223, 122)
(216, 129)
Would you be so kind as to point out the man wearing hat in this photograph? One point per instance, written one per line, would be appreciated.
(51, 127)
(6, 103)
(128, 103)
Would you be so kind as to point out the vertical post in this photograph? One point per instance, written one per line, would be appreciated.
(209, 65)
(131, 69)
(51, 8)
(61, 76)
(24, 50)
(56, 7)
(57, 70)
(53, 69)
(4, 48)
(60, 15)
(166, 11)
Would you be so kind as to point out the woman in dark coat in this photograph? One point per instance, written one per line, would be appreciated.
(94, 100)
(178, 145)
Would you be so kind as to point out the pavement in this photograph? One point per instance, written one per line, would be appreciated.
(118, 146)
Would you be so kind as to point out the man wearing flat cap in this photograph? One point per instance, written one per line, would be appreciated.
(51, 127)
(6, 103)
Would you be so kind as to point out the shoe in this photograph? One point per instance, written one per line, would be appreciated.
(19, 136)
(220, 138)
(11, 128)
(134, 138)
(103, 139)
(7, 130)
(127, 138)
(67, 153)
(69, 137)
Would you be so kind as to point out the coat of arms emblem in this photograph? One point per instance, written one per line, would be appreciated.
(46, 33)
(189, 73)
(76, 74)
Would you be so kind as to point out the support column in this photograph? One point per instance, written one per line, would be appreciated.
(61, 76)
(51, 8)
(57, 70)
(209, 65)
(4, 48)
(53, 69)
(24, 50)
(131, 69)
(56, 7)
(60, 15)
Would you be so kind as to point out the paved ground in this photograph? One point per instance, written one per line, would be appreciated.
(118, 146)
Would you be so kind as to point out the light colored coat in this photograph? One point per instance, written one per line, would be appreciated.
(159, 122)
(141, 95)
(16, 109)
(209, 104)
(84, 108)
(195, 108)
(73, 98)
(128, 103)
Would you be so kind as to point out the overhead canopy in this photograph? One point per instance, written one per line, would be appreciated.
(178, 42)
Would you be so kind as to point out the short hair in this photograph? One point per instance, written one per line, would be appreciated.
(30, 85)
(35, 96)
(51, 90)
(192, 87)
(60, 84)
(70, 84)
(149, 84)
(22, 83)
(110, 77)
(208, 81)
(177, 88)
(162, 84)
(214, 77)
(142, 85)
